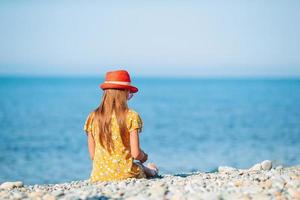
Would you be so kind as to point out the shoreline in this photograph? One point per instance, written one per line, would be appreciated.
(261, 181)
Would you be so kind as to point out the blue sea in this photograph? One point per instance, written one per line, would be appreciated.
(190, 124)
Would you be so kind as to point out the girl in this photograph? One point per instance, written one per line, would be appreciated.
(113, 133)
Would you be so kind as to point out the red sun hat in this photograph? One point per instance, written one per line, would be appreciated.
(118, 79)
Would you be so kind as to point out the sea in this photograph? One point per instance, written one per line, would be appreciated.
(190, 124)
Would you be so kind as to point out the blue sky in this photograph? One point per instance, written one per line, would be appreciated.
(151, 38)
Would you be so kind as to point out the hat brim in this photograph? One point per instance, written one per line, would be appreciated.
(131, 88)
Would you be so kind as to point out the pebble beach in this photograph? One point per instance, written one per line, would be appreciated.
(261, 181)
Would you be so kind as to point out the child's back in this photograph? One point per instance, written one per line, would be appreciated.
(119, 165)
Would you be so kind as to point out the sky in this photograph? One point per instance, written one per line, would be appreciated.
(151, 38)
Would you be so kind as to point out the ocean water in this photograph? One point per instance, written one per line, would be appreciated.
(189, 124)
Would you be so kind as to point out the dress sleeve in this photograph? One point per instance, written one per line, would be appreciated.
(88, 125)
(135, 122)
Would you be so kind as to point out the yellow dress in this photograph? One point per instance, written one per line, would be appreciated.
(120, 165)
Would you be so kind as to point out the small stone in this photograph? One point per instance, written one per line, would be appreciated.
(241, 172)
(49, 197)
(278, 196)
(293, 184)
(175, 196)
(18, 195)
(245, 197)
(39, 190)
(266, 165)
(260, 196)
(238, 183)
(157, 190)
(226, 169)
(230, 196)
(296, 194)
(256, 167)
(10, 185)
(254, 189)
(279, 167)
(279, 183)
(35, 195)
(267, 184)
(2, 193)
(58, 193)
(212, 195)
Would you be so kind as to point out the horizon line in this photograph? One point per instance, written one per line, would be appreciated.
(153, 76)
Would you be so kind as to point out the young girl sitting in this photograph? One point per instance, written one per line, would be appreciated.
(113, 133)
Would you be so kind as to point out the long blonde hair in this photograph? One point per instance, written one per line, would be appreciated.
(112, 100)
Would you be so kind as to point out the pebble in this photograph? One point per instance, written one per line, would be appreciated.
(256, 167)
(224, 169)
(35, 195)
(18, 195)
(279, 167)
(267, 184)
(296, 194)
(257, 182)
(58, 193)
(260, 196)
(266, 165)
(49, 197)
(157, 190)
(10, 185)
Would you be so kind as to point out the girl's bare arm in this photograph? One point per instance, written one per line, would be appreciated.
(91, 144)
(136, 151)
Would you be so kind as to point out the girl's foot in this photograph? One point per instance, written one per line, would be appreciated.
(154, 170)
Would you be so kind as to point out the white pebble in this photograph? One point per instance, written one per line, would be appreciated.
(256, 167)
(10, 185)
(224, 169)
(266, 165)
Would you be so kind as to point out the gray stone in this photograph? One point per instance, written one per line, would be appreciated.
(266, 165)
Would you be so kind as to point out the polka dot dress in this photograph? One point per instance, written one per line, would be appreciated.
(120, 165)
